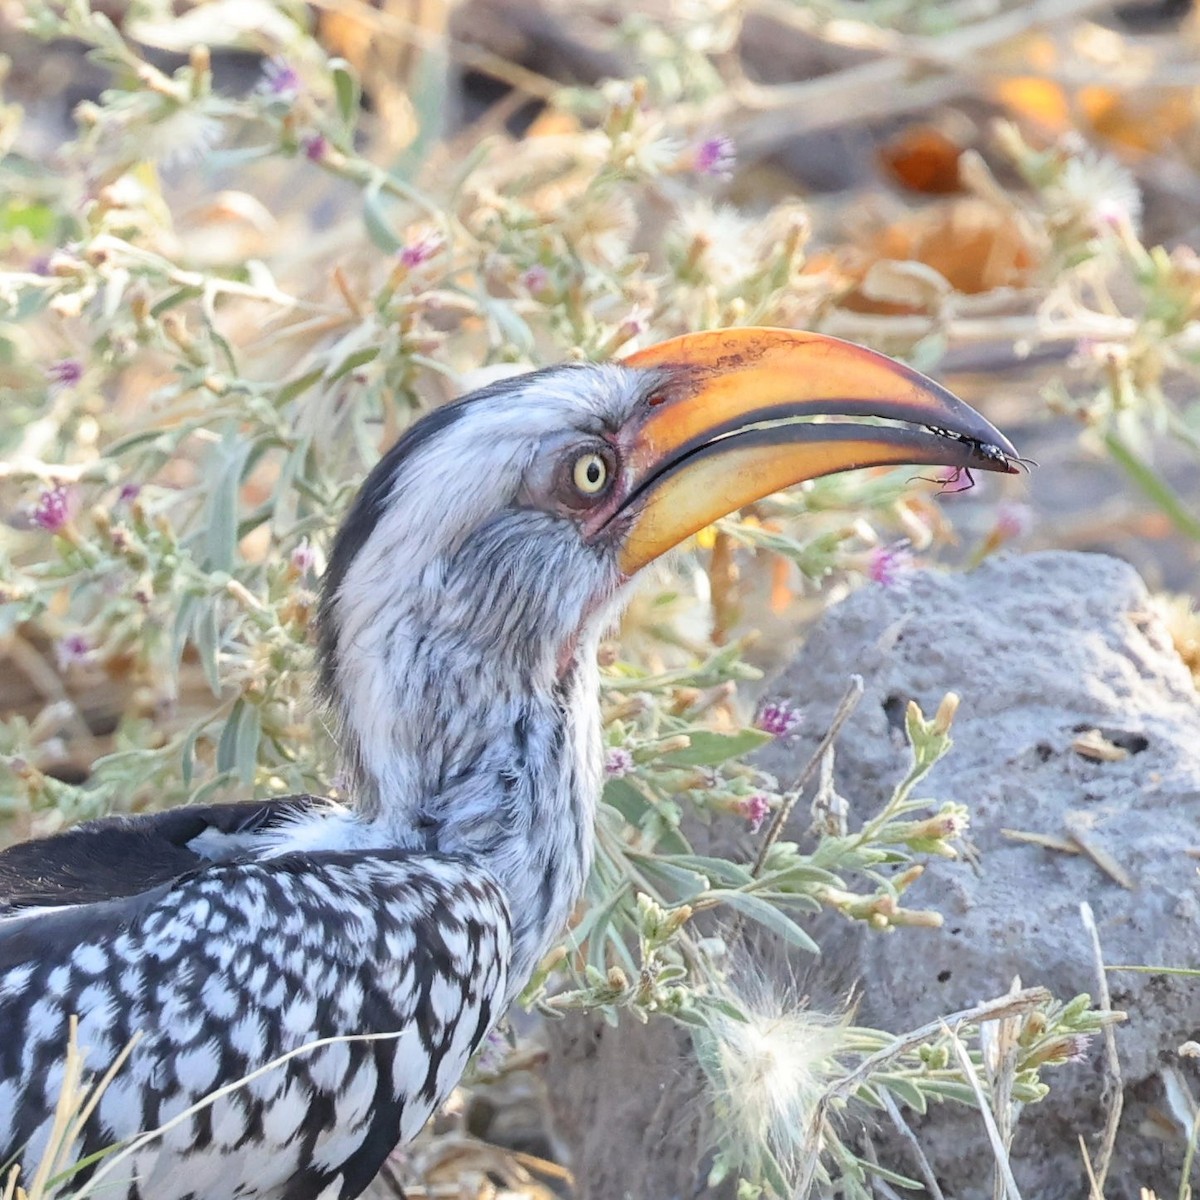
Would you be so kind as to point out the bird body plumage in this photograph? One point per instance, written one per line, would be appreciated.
(230, 966)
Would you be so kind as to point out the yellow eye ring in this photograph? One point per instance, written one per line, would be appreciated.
(590, 473)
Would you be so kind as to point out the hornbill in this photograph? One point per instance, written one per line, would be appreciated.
(461, 610)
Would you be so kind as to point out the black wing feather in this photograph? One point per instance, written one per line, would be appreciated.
(125, 856)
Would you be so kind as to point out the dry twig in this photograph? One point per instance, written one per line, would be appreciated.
(1113, 1090)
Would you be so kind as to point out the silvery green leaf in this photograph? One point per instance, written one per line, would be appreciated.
(906, 1090)
(709, 748)
(298, 386)
(676, 882)
(892, 1176)
(379, 227)
(595, 921)
(427, 89)
(798, 875)
(219, 783)
(174, 299)
(627, 799)
(246, 748)
(221, 515)
(719, 869)
(348, 91)
(768, 916)
(187, 755)
(206, 638)
(228, 743)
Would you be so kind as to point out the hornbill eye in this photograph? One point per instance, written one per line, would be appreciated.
(590, 474)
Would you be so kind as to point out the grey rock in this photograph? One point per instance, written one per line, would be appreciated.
(1040, 648)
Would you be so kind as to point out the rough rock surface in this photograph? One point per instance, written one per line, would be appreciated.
(1041, 648)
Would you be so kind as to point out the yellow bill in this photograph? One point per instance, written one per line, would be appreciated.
(731, 418)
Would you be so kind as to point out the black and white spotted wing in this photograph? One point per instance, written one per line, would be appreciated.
(229, 967)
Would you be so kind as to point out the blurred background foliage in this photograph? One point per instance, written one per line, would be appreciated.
(246, 242)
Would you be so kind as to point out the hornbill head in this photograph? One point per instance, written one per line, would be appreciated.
(502, 528)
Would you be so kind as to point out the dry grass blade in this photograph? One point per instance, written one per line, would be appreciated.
(1114, 1088)
(910, 1139)
(76, 1103)
(999, 1150)
(1045, 840)
(1185, 1172)
(880, 1187)
(1000, 1044)
(1094, 1192)
(1100, 856)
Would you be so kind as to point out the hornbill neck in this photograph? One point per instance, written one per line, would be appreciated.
(462, 747)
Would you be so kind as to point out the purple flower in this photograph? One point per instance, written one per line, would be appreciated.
(53, 508)
(887, 565)
(779, 718)
(72, 651)
(303, 558)
(755, 809)
(280, 79)
(535, 280)
(129, 493)
(65, 373)
(420, 251)
(1078, 1044)
(618, 762)
(716, 157)
(315, 147)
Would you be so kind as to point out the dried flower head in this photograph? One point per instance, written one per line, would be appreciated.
(720, 243)
(1072, 1048)
(769, 1072)
(1095, 192)
(618, 762)
(182, 138)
